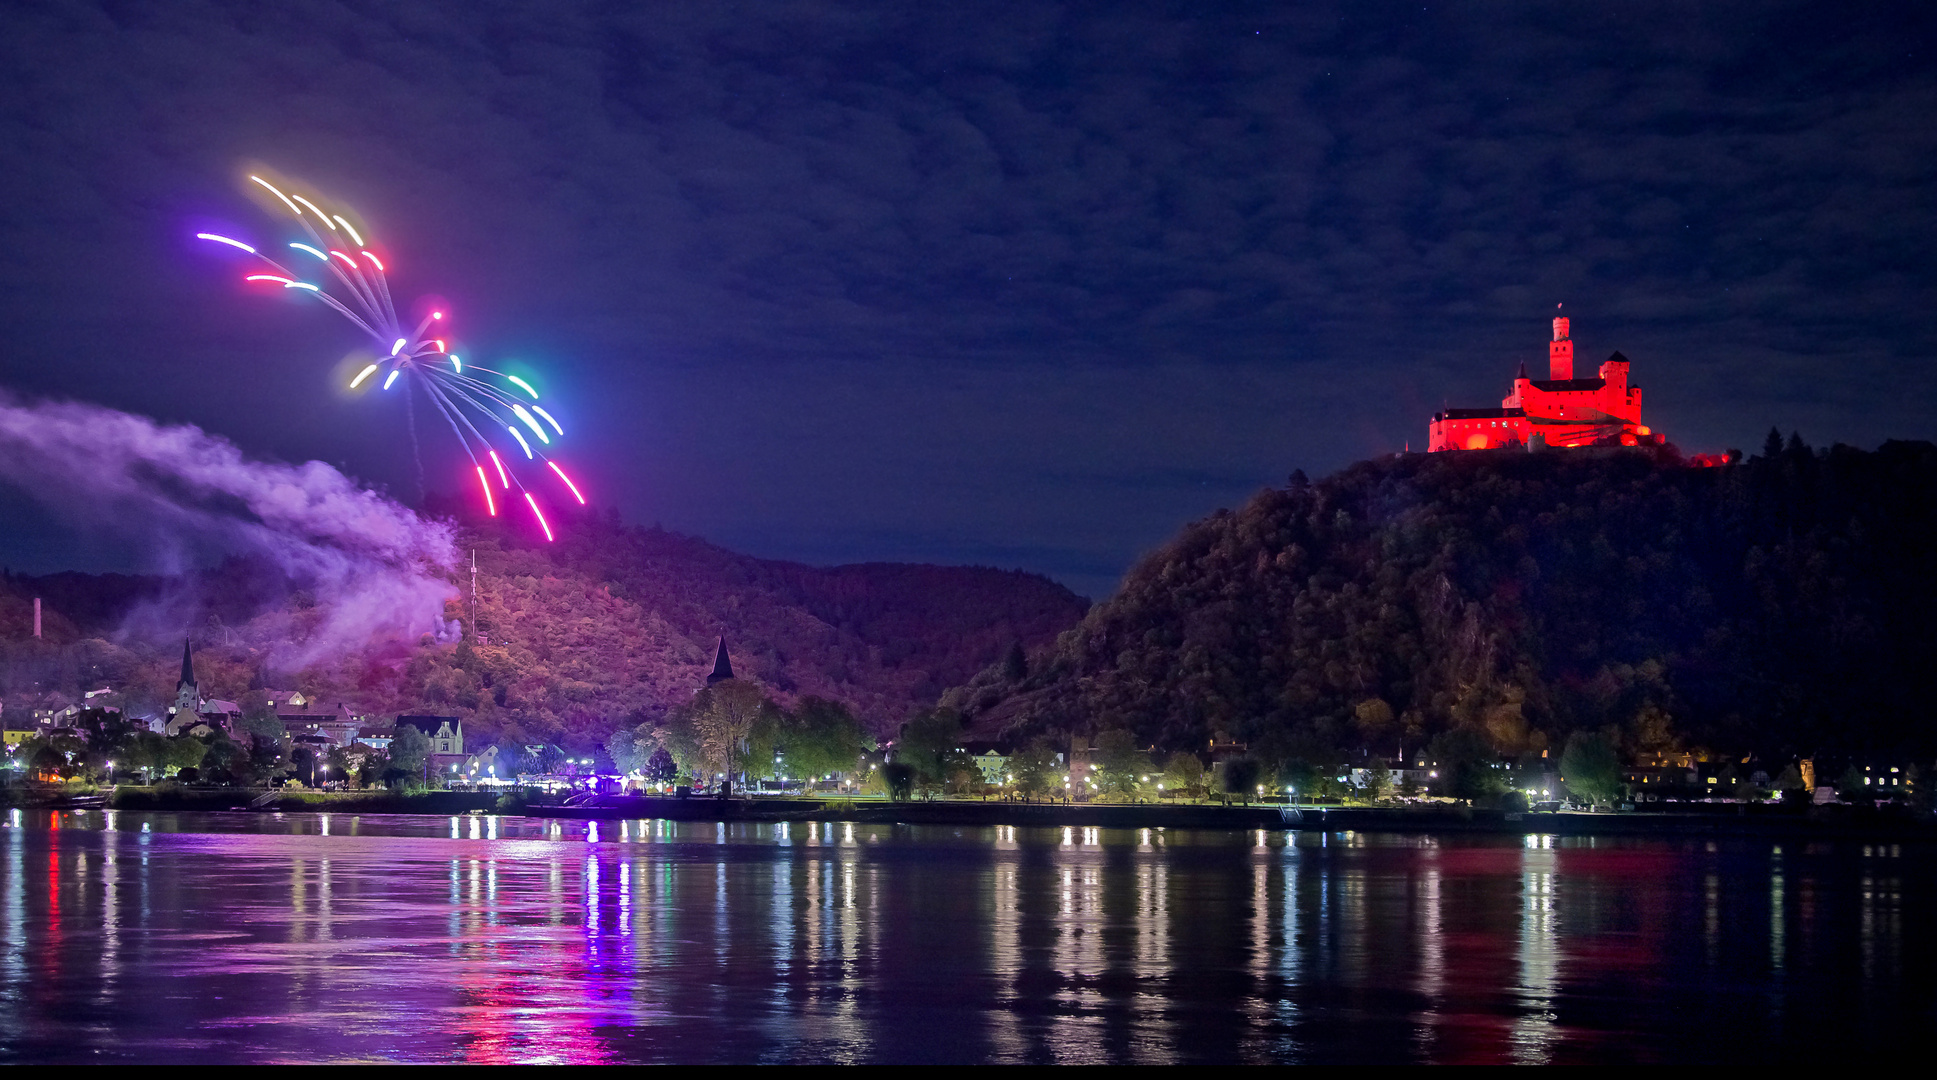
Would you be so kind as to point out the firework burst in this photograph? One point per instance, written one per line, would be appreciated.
(484, 407)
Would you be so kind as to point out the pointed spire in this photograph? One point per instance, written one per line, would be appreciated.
(722, 665)
(188, 667)
(1523, 371)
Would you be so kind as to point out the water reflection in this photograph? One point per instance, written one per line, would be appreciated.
(257, 938)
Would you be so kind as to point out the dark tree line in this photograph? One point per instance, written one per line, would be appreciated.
(1777, 605)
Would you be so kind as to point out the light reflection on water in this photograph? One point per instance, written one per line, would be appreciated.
(258, 938)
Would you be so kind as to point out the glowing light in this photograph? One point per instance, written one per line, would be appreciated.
(568, 482)
(319, 213)
(278, 194)
(374, 261)
(548, 419)
(347, 229)
(300, 285)
(504, 478)
(398, 347)
(439, 343)
(521, 440)
(392, 378)
(267, 277)
(345, 258)
(225, 240)
(311, 250)
(530, 423)
(539, 515)
(362, 375)
(436, 314)
(456, 364)
(523, 385)
(489, 504)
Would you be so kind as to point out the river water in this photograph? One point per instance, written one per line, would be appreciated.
(230, 938)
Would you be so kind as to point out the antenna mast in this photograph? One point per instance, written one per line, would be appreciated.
(474, 598)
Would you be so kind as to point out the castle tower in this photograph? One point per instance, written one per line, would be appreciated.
(722, 666)
(1560, 352)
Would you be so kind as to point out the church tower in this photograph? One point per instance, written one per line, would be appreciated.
(188, 695)
(722, 666)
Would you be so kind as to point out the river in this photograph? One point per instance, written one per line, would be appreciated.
(260, 938)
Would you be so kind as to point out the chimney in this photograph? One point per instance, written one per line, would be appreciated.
(1560, 352)
(36, 616)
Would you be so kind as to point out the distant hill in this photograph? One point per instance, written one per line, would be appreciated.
(612, 622)
(1779, 605)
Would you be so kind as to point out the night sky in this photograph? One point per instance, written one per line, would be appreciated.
(1012, 285)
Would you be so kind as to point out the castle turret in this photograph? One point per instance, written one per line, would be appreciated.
(1560, 352)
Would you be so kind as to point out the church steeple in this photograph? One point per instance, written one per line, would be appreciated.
(722, 666)
(188, 696)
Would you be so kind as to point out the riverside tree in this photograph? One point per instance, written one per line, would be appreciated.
(1120, 765)
(723, 719)
(822, 738)
(929, 744)
(409, 750)
(1590, 767)
(1184, 775)
(1035, 770)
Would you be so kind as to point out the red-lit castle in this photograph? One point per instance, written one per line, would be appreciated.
(1559, 410)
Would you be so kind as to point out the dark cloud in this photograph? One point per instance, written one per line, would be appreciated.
(988, 283)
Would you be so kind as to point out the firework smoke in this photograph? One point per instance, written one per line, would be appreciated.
(374, 567)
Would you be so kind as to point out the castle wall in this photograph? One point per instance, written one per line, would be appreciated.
(1564, 411)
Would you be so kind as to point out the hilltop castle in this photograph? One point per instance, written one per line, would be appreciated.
(1559, 410)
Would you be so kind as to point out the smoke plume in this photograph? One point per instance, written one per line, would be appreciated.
(373, 566)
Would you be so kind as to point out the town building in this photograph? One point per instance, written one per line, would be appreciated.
(446, 734)
(375, 737)
(990, 761)
(1603, 409)
(310, 715)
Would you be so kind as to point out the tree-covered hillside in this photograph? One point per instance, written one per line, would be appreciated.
(611, 626)
(1778, 605)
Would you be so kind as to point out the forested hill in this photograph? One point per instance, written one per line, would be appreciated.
(1778, 605)
(613, 624)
